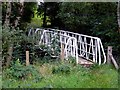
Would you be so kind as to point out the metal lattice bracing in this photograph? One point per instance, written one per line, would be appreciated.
(76, 45)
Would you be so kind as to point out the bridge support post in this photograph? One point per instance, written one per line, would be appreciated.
(109, 51)
(62, 52)
(27, 58)
(110, 58)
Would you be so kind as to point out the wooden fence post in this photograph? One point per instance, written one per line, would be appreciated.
(109, 51)
(27, 58)
(62, 52)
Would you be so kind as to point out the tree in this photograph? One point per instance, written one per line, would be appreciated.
(14, 15)
(8, 12)
(18, 14)
(7, 24)
(97, 19)
(75, 16)
(50, 9)
(118, 15)
(28, 14)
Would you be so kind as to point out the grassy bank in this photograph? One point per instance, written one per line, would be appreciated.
(65, 75)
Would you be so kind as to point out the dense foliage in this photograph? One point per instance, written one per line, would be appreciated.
(81, 17)
(20, 71)
(25, 17)
(49, 9)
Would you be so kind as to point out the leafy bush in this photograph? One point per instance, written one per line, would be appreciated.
(54, 48)
(20, 71)
(9, 36)
(64, 69)
(20, 51)
(72, 60)
(18, 40)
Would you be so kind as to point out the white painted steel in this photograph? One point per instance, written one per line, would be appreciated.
(85, 46)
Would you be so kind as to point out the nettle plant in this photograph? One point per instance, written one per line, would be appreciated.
(20, 71)
(54, 48)
(72, 60)
(63, 69)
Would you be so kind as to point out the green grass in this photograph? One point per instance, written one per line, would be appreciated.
(103, 76)
(0, 81)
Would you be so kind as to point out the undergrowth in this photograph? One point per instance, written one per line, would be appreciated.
(62, 75)
(20, 72)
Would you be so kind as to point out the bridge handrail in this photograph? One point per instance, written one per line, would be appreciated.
(75, 51)
(72, 33)
(96, 38)
(94, 44)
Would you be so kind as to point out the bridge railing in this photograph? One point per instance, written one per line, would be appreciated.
(88, 47)
(70, 44)
(45, 37)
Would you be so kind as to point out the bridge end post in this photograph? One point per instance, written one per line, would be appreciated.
(62, 52)
(110, 58)
(109, 51)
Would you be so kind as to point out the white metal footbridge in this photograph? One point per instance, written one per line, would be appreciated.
(75, 45)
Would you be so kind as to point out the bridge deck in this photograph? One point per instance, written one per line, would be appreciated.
(84, 62)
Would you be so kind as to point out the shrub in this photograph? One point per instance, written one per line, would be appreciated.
(72, 60)
(54, 48)
(19, 71)
(64, 69)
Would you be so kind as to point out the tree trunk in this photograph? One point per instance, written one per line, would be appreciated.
(44, 19)
(17, 21)
(118, 15)
(7, 24)
(8, 12)
(9, 57)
